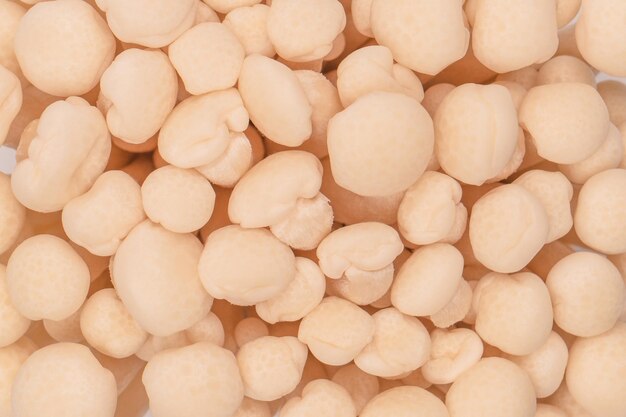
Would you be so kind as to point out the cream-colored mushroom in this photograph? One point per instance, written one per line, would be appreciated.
(378, 131)
(10, 100)
(102, 217)
(249, 24)
(137, 93)
(108, 327)
(286, 119)
(46, 278)
(320, 398)
(600, 217)
(404, 402)
(422, 35)
(545, 366)
(475, 146)
(452, 352)
(250, 329)
(12, 214)
(156, 344)
(301, 296)
(546, 410)
(568, 121)
(149, 23)
(319, 23)
(599, 34)
(68, 152)
(457, 308)
(200, 128)
(507, 227)
(372, 69)
(595, 372)
(271, 367)
(63, 380)
(11, 358)
(181, 200)
(13, 325)
(512, 36)
(245, 266)
(608, 156)
(155, 274)
(494, 387)
(359, 260)
(336, 331)
(10, 16)
(587, 294)
(282, 192)
(555, 193)
(201, 379)
(431, 210)
(566, 69)
(208, 57)
(613, 93)
(208, 329)
(401, 344)
(50, 45)
(428, 280)
(513, 312)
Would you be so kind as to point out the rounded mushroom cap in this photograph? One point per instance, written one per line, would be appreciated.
(208, 57)
(137, 93)
(507, 227)
(181, 200)
(380, 144)
(513, 312)
(507, 37)
(208, 329)
(249, 329)
(319, 22)
(428, 280)
(198, 131)
(336, 331)
(12, 214)
(301, 296)
(546, 410)
(249, 24)
(595, 372)
(568, 121)
(367, 246)
(370, 69)
(600, 218)
(452, 352)
(10, 16)
(107, 325)
(361, 13)
(68, 152)
(196, 380)
(155, 273)
(245, 266)
(102, 217)
(555, 193)
(545, 366)
(10, 100)
(476, 132)
(494, 387)
(13, 324)
(271, 367)
(46, 278)
(11, 359)
(566, 69)
(587, 293)
(64, 380)
(608, 156)
(286, 119)
(269, 191)
(50, 46)
(149, 23)
(320, 398)
(431, 210)
(405, 401)
(401, 344)
(599, 35)
(422, 35)
(613, 93)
